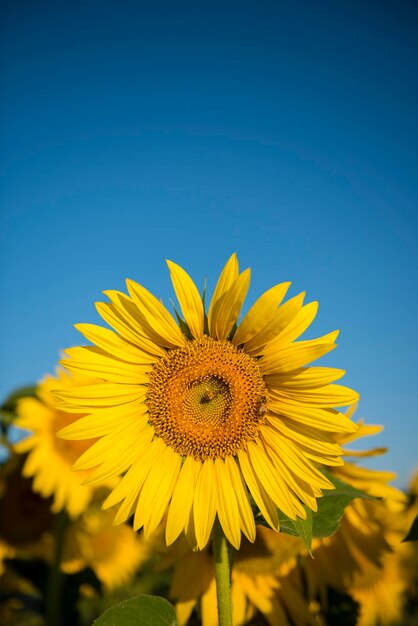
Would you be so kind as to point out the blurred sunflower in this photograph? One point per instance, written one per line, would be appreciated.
(114, 553)
(201, 414)
(380, 592)
(367, 546)
(265, 579)
(382, 589)
(49, 458)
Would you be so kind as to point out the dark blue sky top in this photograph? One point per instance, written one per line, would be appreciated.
(286, 132)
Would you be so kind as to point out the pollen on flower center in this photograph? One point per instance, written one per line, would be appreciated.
(207, 399)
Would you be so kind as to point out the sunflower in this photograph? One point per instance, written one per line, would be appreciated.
(367, 546)
(265, 579)
(114, 553)
(49, 458)
(201, 415)
(381, 593)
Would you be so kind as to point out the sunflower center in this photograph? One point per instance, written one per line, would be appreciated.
(207, 399)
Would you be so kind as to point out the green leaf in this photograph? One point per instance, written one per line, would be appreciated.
(183, 326)
(205, 322)
(413, 532)
(9, 405)
(140, 611)
(331, 506)
(323, 522)
(304, 528)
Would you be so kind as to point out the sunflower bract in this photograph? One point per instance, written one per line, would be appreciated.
(207, 424)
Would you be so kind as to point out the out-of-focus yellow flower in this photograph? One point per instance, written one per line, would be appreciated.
(359, 558)
(265, 579)
(114, 553)
(49, 458)
(380, 591)
(199, 414)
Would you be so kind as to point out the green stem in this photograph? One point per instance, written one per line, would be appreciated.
(222, 558)
(55, 577)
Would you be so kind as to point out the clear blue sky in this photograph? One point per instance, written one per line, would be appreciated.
(287, 132)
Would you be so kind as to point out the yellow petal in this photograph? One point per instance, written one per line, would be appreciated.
(37, 413)
(327, 396)
(304, 378)
(204, 506)
(24, 445)
(131, 483)
(126, 508)
(245, 511)
(184, 610)
(324, 460)
(156, 316)
(95, 362)
(182, 500)
(189, 299)
(129, 329)
(363, 430)
(113, 344)
(156, 492)
(266, 505)
(364, 454)
(100, 395)
(227, 507)
(209, 605)
(298, 485)
(294, 458)
(317, 440)
(189, 532)
(294, 356)
(273, 482)
(109, 446)
(230, 305)
(323, 419)
(113, 466)
(261, 313)
(278, 344)
(355, 473)
(104, 421)
(302, 320)
(268, 336)
(239, 604)
(126, 310)
(228, 276)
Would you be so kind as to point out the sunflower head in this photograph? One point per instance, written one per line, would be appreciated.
(201, 416)
(114, 553)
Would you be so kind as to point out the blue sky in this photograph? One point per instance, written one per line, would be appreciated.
(286, 132)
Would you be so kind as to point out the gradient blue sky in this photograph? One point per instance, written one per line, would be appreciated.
(286, 132)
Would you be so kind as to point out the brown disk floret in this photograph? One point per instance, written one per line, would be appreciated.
(206, 400)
